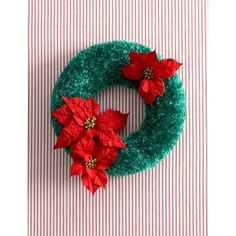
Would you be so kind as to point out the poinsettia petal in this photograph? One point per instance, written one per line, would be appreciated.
(145, 85)
(92, 172)
(132, 71)
(114, 119)
(77, 168)
(148, 59)
(105, 164)
(91, 132)
(74, 103)
(94, 179)
(64, 140)
(159, 87)
(80, 118)
(108, 137)
(83, 148)
(91, 107)
(149, 90)
(134, 57)
(63, 115)
(68, 135)
(89, 184)
(148, 97)
(167, 68)
(105, 156)
(95, 107)
(101, 179)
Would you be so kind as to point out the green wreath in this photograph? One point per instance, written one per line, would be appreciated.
(98, 67)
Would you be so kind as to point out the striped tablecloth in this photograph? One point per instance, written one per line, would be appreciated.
(170, 199)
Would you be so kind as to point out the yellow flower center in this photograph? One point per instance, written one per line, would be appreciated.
(91, 163)
(148, 73)
(90, 122)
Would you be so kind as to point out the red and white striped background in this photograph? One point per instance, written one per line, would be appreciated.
(170, 199)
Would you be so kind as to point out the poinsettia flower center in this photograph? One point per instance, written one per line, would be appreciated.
(91, 163)
(90, 122)
(148, 73)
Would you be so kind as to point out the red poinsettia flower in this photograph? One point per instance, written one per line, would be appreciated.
(79, 116)
(147, 68)
(90, 161)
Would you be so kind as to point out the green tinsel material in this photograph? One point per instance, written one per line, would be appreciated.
(97, 68)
